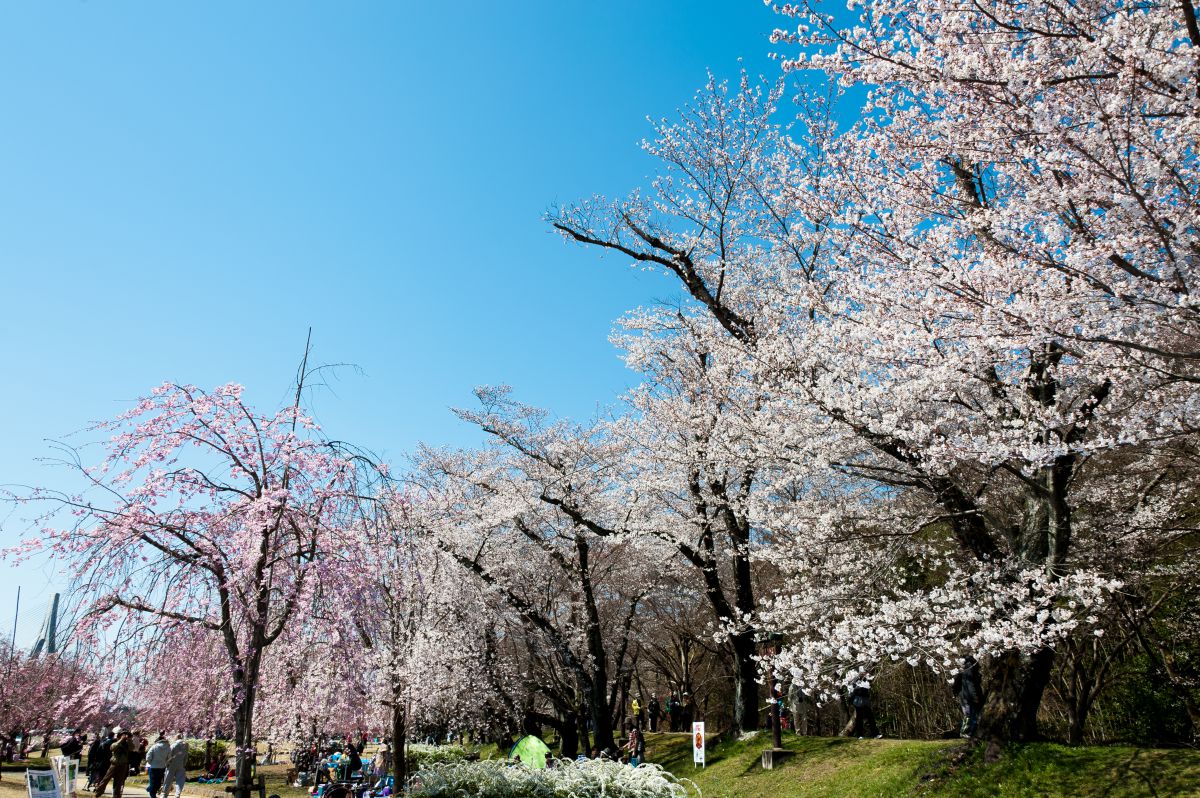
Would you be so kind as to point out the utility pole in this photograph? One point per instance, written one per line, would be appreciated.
(16, 613)
(12, 655)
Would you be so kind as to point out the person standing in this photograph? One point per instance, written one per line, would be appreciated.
(864, 714)
(636, 746)
(675, 710)
(72, 746)
(139, 755)
(636, 707)
(654, 711)
(176, 767)
(118, 769)
(968, 687)
(99, 756)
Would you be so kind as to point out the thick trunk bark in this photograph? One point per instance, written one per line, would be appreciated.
(582, 730)
(568, 738)
(1014, 695)
(243, 735)
(1077, 717)
(745, 686)
(597, 698)
(602, 729)
(399, 757)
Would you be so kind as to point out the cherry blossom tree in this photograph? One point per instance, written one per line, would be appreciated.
(966, 312)
(205, 518)
(425, 631)
(535, 518)
(693, 462)
(49, 691)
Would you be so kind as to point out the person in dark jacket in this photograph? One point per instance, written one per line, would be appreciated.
(353, 760)
(864, 714)
(654, 711)
(99, 756)
(118, 768)
(138, 756)
(675, 710)
(72, 745)
(968, 687)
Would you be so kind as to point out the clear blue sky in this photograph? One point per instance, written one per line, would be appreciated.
(185, 188)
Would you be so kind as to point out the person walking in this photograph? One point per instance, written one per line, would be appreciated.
(968, 687)
(176, 767)
(156, 764)
(99, 756)
(118, 769)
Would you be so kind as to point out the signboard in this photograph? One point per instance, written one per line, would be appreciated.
(698, 743)
(68, 773)
(42, 784)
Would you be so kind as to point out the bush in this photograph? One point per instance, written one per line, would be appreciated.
(592, 778)
(195, 760)
(421, 755)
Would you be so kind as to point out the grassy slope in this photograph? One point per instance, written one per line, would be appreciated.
(842, 768)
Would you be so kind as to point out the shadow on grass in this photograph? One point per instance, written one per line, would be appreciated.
(1104, 772)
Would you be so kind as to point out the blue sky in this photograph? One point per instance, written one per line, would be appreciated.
(186, 188)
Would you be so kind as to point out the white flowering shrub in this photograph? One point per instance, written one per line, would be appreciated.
(588, 779)
(421, 755)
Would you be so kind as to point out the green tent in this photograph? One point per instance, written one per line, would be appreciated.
(531, 751)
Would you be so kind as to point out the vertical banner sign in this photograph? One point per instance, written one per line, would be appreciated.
(41, 784)
(698, 743)
(67, 770)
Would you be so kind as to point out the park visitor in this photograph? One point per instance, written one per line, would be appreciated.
(97, 759)
(138, 756)
(675, 710)
(72, 746)
(654, 711)
(121, 752)
(176, 766)
(864, 715)
(968, 687)
(157, 759)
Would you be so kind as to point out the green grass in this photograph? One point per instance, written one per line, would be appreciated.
(843, 768)
(1048, 769)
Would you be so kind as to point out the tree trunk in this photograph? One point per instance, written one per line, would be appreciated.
(243, 736)
(1077, 717)
(1014, 696)
(582, 726)
(399, 757)
(745, 686)
(568, 738)
(602, 729)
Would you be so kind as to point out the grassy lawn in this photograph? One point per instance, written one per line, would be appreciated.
(822, 768)
(1048, 769)
(843, 768)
